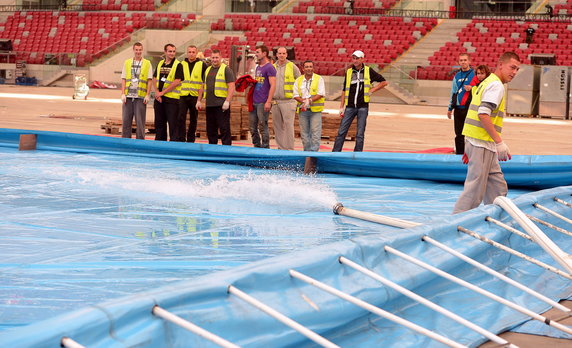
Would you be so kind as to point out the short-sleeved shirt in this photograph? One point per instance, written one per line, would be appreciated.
(135, 72)
(212, 99)
(166, 70)
(262, 87)
(357, 84)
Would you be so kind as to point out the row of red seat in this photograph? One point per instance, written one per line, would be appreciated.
(383, 39)
(90, 34)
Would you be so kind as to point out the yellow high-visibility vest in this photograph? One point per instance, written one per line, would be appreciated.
(289, 79)
(143, 76)
(220, 86)
(175, 93)
(473, 127)
(193, 79)
(366, 84)
(318, 105)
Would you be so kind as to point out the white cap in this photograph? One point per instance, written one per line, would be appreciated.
(358, 54)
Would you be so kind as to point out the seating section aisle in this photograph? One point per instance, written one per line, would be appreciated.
(360, 7)
(328, 41)
(486, 40)
(37, 36)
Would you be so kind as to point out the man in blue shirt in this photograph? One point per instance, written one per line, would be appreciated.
(462, 78)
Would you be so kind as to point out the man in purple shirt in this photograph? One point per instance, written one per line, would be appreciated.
(265, 75)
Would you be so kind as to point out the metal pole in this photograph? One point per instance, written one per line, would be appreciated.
(514, 252)
(339, 209)
(548, 224)
(539, 237)
(175, 319)
(481, 291)
(375, 310)
(552, 212)
(282, 318)
(491, 336)
(509, 228)
(562, 202)
(497, 274)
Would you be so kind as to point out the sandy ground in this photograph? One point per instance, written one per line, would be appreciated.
(390, 127)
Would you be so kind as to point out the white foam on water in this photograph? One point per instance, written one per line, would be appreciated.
(282, 189)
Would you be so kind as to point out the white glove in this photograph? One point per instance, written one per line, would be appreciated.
(503, 152)
(199, 105)
(342, 111)
(123, 98)
(225, 105)
(146, 99)
(306, 104)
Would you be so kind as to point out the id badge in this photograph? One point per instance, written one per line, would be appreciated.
(163, 79)
(134, 81)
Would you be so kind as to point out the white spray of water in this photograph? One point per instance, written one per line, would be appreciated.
(281, 189)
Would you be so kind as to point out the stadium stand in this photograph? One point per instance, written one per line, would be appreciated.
(360, 7)
(563, 9)
(39, 35)
(485, 40)
(326, 39)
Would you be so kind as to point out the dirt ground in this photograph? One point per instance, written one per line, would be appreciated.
(390, 127)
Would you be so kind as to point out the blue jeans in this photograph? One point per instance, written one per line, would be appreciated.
(311, 129)
(259, 121)
(347, 120)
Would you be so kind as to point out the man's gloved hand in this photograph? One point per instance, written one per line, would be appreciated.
(465, 159)
(198, 105)
(306, 104)
(503, 152)
(342, 111)
(123, 98)
(146, 99)
(225, 105)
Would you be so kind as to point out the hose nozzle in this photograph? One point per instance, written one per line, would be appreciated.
(337, 207)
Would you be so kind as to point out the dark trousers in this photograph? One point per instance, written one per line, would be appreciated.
(218, 122)
(188, 103)
(166, 113)
(349, 115)
(459, 117)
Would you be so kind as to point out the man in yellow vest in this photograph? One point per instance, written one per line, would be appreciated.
(309, 92)
(484, 147)
(136, 80)
(167, 84)
(194, 72)
(284, 107)
(218, 90)
(355, 99)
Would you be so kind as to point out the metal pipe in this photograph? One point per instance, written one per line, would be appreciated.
(481, 291)
(339, 209)
(282, 318)
(552, 212)
(548, 224)
(514, 252)
(376, 310)
(539, 237)
(497, 274)
(509, 228)
(175, 319)
(562, 202)
(491, 336)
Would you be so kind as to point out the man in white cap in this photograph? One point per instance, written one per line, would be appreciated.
(355, 99)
